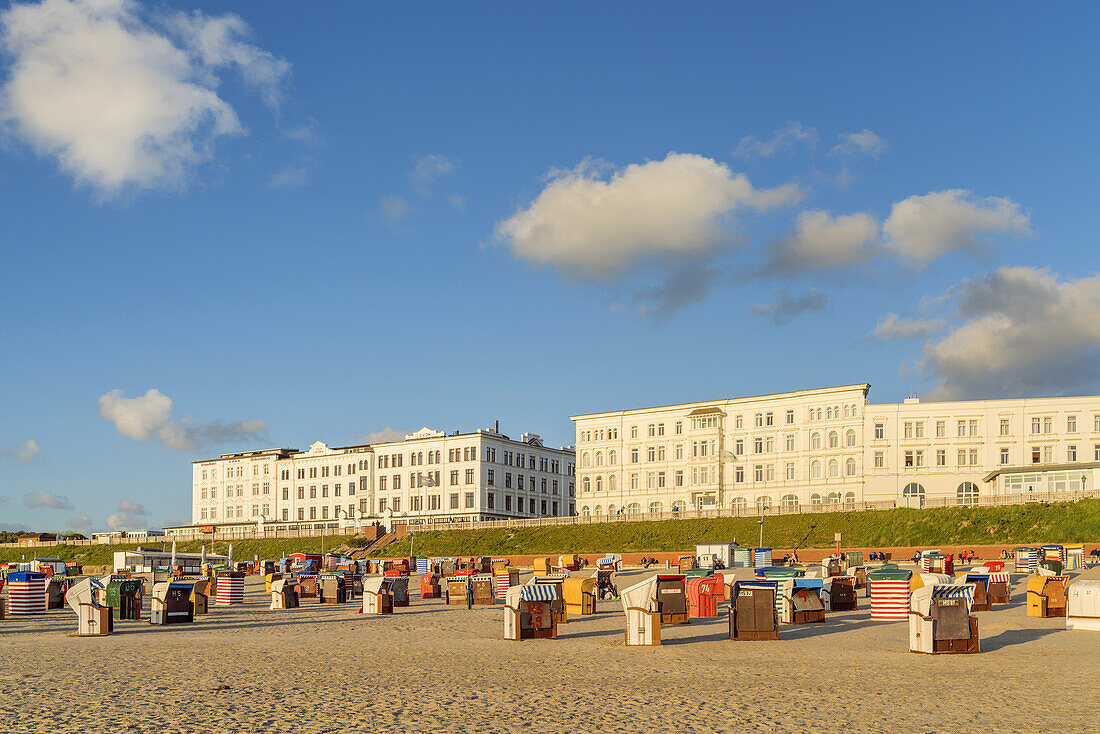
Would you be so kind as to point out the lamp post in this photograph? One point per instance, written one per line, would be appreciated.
(760, 522)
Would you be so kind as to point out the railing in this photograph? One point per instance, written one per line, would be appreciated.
(243, 533)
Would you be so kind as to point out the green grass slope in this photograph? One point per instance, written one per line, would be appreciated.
(1017, 524)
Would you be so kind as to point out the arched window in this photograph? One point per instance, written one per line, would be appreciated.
(855, 412)
(850, 467)
(815, 470)
(599, 484)
(763, 502)
(815, 441)
(420, 458)
(633, 509)
(612, 483)
(585, 511)
(599, 511)
(586, 485)
(829, 413)
(599, 458)
(789, 500)
(845, 411)
(819, 413)
(611, 510)
(815, 499)
(834, 468)
(833, 498)
(612, 457)
(834, 440)
(654, 508)
(914, 490)
(849, 498)
(679, 506)
(738, 503)
(850, 437)
(586, 459)
(967, 493)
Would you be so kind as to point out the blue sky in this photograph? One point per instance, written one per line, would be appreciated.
(352, 217)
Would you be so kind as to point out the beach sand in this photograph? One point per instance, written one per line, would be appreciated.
(429, 667)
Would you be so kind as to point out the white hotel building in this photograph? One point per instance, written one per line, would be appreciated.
(829, 446)
(429, 477)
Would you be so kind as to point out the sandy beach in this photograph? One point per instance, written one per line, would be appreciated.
(435, 668)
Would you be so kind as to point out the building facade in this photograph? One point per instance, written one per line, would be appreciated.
(829, 446)
(431, 476)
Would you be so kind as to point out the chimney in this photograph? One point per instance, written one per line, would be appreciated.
(496, 426)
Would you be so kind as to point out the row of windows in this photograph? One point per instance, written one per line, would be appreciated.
(970, 457)
(234, 472)
(969, 427)
(967, 492)
(521, 504)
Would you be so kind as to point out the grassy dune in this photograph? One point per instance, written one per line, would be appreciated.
(1017, 524)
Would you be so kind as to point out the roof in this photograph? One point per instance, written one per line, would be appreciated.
(864, 386)
(1041, 469)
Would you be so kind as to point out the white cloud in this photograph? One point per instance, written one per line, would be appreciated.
(457, 201)
(289, 177)
(431, 167)
(386, 435)
(150, 417)
(25, 452)
(821, 241)
(923, 228)
(893, 327)
(865, 141)
(47, 500)
(675, 207)
(393, 208)
(80, 522)
(787, 307)
(786, 137)
(121, 95)
(1023, 332)
(130, 516)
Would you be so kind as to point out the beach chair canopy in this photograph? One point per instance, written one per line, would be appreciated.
(920, 601)
(374, 584)
(642, 595)
(82, 592)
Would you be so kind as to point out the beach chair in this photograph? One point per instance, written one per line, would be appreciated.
(1046, 596)
(283, 594)
(752, 611)
(802, 602)
(398, 589)
(170, 603)
(376, 597)
(529, 612)
(1083, 605)
(580, 595)
(643, 617)
(672, 598)
(839, 594)
(92, 619)
(940, 620)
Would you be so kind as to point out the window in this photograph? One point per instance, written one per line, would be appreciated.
(789, 500)
(973, 426)
(914, 490)
(962, 457)
(1035, 455)
(1004, 426)
(815, 499)
(941, 457)
(454, 501)
(469, 499)
(850, 438)
(790, 470)
(739, 503)
(962, 429)
(941, 429)
(815, 441)
(907, 429)
(880, 430)
(967, 493)
(469, 476)
(849, 498)
(586, 485)
(918, 429)
(769, 420)
(1004, 455)
(660, 432)
(790, 417)
(1036, 424)
(634, 481)
(880, 460)
(633, 456)
(758, 445)
(758, 420)
(815, 470)
(850, 467)
(763, 502)
(1071, 424)
(739, 472)
(652, 430)
(834, 469)
(1048, 424)
(758, 473)
(679, 427)
(790, 442)
(1048, 454)
(834, 440)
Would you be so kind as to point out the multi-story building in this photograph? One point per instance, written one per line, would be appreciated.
(430, 476)
(828, 446)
